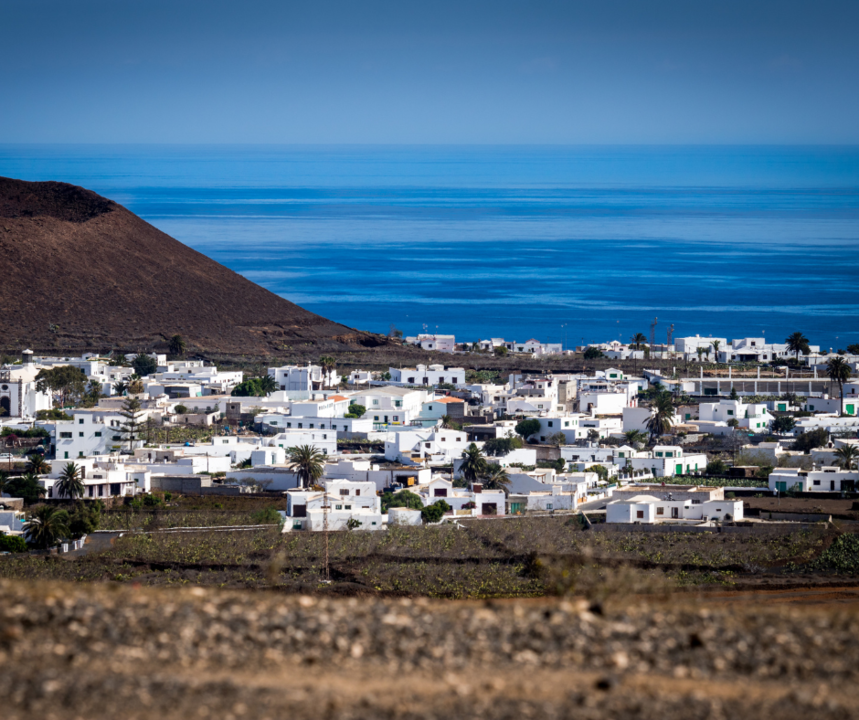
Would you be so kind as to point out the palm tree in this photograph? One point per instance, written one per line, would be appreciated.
(307, 462)
(70, 483)
(120, 386)
(328, 364)
(797, 343)
(267, 384)
(637, 341)
(700, 352)
(446, 422)
(635, 437)
(4, 481)
(495, 477)
(838, 371)
(662, 416)
(46, 527)
(473, 463)
(847, 457)
(176, 345)
(715, 344)
(37, 464)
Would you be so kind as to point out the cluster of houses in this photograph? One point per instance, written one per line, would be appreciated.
(423, 419)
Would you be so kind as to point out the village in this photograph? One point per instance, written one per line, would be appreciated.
(436, 443)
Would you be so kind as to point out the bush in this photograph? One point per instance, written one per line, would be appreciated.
(593, 353)
(435, 512)
(266, 516)
(716, 467)
(180, 410)
(152, 501)
(355, 411)
(84, 519)
(808, 441)
(404, 499)
(13, 544)
(783, 424)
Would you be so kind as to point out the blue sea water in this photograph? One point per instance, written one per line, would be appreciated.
(566, 244)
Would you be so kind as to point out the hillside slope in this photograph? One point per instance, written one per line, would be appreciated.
(81, 272)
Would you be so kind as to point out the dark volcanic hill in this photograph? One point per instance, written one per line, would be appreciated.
(81, 272)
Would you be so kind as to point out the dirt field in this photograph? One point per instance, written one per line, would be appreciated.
(835, 506)
(79, 651)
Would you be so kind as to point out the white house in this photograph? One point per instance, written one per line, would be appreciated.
(391, 405)
(102, 477)
(343, 505)
(635, 418)
(19, 397)
(833, 405)
(463, 501)
(323, 440)
(826, 479)
(434, 446)
(668, 460)
(427, 375)
(439, 343)
(568, 425)
(754, 417)
(647, 509)
(303, 378)
(434, 410)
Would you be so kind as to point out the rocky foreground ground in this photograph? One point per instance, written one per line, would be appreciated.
(101, 651)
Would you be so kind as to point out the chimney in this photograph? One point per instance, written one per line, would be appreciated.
(27, 357)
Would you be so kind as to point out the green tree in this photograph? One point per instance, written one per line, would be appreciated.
(783, 424)
(715, 345)
(46, 526)
(527, 428)
(255, 387)
(176, 345)
(132, 421)
(592, 353)
(495, 477)
(808, 441)
(473, 463)
(501, 351)
(37, 464)
(600, 470)
(716, 466)
(404, 499)
(64, 380)
(12, 544)
(355, 411)
(26, 486)
(120, 386)
(84, 520)
(838, 371)
(797, 343)
(435, 512)
(267, 384)
(846, 457)
(70, 483)
(853, 348)
(734, 395)
(144, 365)
(307, 462)
(700, 352)
(496, 447)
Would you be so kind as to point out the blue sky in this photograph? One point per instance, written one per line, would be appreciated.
(342, 71)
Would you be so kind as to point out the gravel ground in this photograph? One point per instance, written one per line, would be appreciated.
(78, 651)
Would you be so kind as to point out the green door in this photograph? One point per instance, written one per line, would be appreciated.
(678, 470)
(851, 410)
(782, 407)
(781, 486)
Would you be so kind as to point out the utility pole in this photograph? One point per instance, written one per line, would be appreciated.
(653, 335)
(325, 508)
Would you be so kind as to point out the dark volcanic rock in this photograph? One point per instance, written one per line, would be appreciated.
(83, 273)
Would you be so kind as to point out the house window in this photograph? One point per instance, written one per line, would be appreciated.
(80, 434)
(439, 492)
(81, 421)
(567, 423)
(660, 511)
(299, 425)
(817, 482)
(430, 407)
(550, 423)
(639, 514)
(347, 507)
(396, 418)
(289, 424)
(338, 507)
(98, 434)
(730, 412)
(65, 435)
(311, 425)
(344, 492)
(65, 456)
(358, 491)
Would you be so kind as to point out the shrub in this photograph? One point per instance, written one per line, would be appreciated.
(404, 499)
(495, 447)
(808, 441)
(152, 501)
(266, 516)
(435, 512)
(12, 544)
(527, 428)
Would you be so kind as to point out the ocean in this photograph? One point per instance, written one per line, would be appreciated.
(561, 244)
